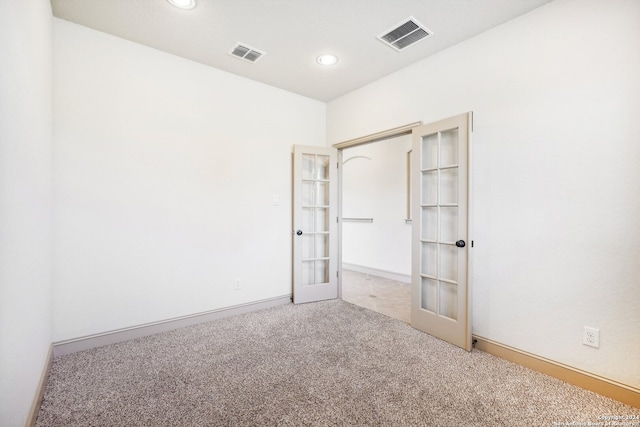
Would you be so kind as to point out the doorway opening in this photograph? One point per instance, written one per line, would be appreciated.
(438, 196)
(376, 226)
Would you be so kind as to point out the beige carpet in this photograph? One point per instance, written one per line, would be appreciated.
(329, 363)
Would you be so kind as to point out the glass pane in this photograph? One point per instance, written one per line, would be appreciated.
(429, 188)
(429, 260)
(448, 224)
(449, 147)
(322, 272)
(307, 246)
(307, 273)
(308, 161)
(449, 186)
(448, 300)
(428, 295)
(322, 167)
(430, 152)
(322, 219)
(429, 224)
(307, 194)
(322, 194)
(448, 262)
(322, 245)
(307, 219)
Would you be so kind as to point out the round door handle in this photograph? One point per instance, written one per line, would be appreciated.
(461, 244)
(299, 232)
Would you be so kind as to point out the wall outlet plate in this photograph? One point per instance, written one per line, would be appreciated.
(591, 337)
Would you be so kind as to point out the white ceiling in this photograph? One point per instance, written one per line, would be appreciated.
(293, 33)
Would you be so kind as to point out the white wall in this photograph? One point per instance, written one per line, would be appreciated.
(556, 97)
(25, 203)
(377, 188)
(165, 172)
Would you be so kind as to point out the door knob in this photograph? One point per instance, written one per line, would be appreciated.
(299, 232)
(460, 244)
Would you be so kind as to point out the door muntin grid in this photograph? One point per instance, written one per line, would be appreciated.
(315, 219)
(439, 223)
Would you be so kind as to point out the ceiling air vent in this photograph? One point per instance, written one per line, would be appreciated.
(243, 51)
(404, 34)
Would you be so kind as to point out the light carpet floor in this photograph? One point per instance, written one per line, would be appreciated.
(328, 363)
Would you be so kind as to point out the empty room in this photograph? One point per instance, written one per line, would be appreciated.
(173, 229)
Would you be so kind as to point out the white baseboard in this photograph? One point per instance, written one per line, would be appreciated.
(37, 398)
(61, 348)
(404, 278)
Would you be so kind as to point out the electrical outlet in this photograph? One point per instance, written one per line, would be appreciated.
(591, 337)
(236, 284)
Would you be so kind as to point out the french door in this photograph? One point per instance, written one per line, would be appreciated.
(440, 303)
(315, 239)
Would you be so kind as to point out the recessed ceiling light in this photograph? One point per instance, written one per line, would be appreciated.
(327, 59)
(183, 4)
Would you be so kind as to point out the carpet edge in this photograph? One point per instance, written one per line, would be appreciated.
(65, 347)
(603, 386)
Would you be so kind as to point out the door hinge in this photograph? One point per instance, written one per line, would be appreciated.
(472, 243)
(337, 273)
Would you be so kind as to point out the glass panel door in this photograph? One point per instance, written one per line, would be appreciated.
(439, 271)
(314, 238)
(439, 213)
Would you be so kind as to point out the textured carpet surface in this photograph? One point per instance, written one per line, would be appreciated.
(328, 363)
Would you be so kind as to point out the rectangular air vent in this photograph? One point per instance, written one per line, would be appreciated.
(404, 34)
(243, 51)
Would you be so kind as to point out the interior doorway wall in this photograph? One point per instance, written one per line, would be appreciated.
(376, 228)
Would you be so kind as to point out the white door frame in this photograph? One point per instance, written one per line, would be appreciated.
(368, 139)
